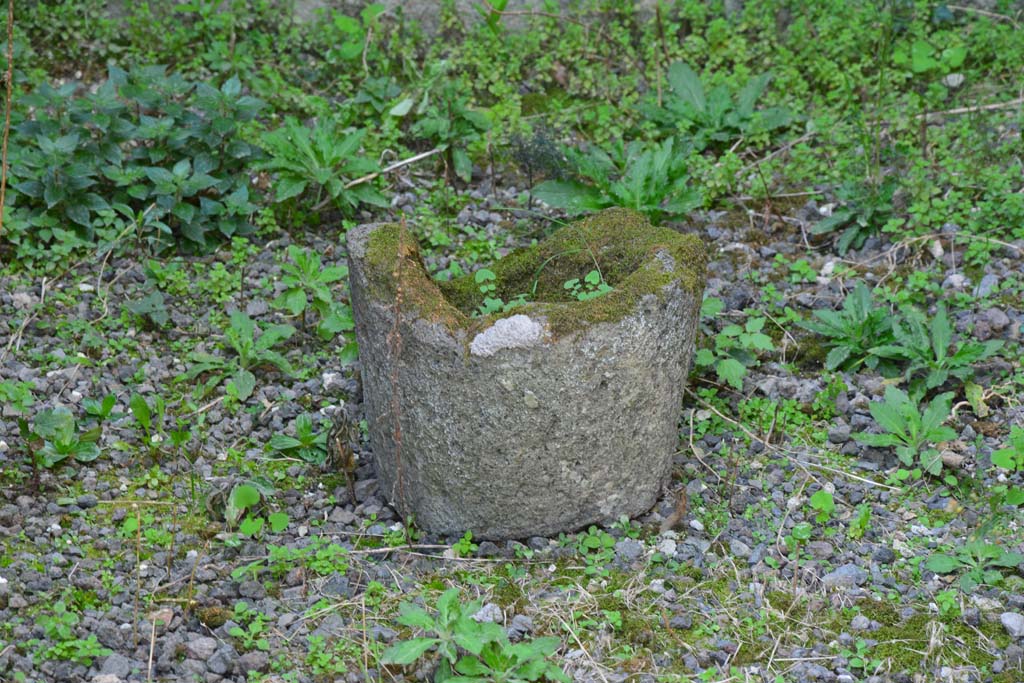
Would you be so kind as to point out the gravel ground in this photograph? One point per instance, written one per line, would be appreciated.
(718, 589)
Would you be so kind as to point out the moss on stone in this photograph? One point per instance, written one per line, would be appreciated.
(903, 645)
(620, 243)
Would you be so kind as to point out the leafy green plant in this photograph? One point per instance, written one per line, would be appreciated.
(485, 280)
(491, 14)
(251, 632)
(865, 209)
(735, 347)
(715, 118)
(54, 437)
(101, 410)
(860, 523)
(489, 656)
(251, 526)
(499, 661)
(465, 547)
(795, 541)
(923, 58)
(928, 68)
(651, 178)
(948, 602)
(853, 331)
(242, 500)
(1011, 457)
(799, 271)
(908, 430)
(925, 344)
(147, 151)
(860, 657)
(150, 418)
(308, 444)
(354, 33)
(452, 628)
(17, 395)
(597, 548)
(321, 556)
(152, 307)
(251, 352)
(981, 563)
(324, 160)
(59, 627)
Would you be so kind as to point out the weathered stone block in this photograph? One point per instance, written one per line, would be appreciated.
(557, 414)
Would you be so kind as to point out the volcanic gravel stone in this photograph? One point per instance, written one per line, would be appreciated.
(1013, 623)
(847, 576)
(562, 415)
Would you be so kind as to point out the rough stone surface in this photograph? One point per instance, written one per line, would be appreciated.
(577, 427)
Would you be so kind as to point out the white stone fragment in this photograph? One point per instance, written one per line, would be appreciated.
(515, 332)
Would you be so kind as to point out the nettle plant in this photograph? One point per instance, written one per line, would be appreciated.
(147, 152)
(735, 348)
(308, 286)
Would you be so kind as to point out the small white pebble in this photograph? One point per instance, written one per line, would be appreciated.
(696, 525)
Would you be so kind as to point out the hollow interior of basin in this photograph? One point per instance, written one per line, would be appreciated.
(540, 273)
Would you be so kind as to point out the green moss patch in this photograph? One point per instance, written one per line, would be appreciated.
(621, 244)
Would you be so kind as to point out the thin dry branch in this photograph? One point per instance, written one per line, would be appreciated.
(990, 15)
(388, 169)
(981, 107)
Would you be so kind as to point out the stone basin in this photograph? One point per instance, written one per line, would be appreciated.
(542, 419)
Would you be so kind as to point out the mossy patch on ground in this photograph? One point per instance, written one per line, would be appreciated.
(622, 245)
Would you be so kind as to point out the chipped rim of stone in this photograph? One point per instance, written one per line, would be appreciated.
(515, 332)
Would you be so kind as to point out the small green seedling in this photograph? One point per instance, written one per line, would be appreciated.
(981, 562)
(308, 444)
(824, 504)
(592, 286)
(465, 547)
